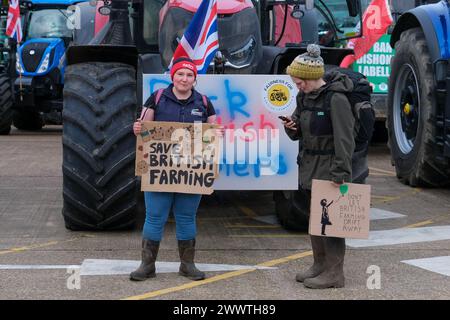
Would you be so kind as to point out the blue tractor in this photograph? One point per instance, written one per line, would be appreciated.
(419, 95)
(48, 27)
(7, 72)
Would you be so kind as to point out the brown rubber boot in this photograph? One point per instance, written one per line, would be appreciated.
(188, 269)
(333, 276)
(318, 248)
(147, 268)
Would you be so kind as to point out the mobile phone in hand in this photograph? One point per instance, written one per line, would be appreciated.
(284, 118)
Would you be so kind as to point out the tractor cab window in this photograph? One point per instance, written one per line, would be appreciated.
(151, 21)
(48, 23)
(291, 23)
(4, 42)
(335, 22)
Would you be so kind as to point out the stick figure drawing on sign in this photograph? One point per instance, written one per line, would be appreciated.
(325, 217)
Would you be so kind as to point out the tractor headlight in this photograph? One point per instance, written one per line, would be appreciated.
(18, 64)
(244, 54)
(44, 64)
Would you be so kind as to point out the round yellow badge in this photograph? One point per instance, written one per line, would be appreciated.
(278, 95)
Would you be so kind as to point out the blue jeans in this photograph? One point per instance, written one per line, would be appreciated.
(158, 205)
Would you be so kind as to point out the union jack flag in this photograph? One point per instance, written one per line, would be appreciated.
(200, 40)
(13, 24)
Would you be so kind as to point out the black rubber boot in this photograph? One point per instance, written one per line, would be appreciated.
(147, 268)
(333, 276)
(318, 248)
(188, 269)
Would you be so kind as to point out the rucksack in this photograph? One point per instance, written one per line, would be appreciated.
(362, 107)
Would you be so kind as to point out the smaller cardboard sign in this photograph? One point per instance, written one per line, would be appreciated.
(342, 212)
(177, 157)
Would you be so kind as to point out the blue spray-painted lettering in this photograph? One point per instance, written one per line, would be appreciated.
(240, 170)
(236, 101)
(256, 168)
(243, 170)
(282, 168)
(223, 166)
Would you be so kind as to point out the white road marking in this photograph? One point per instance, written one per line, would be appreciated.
(96, 267)
(401, 236)
(379, 214)
(375, 214)
(439, 265)
(92, 267)
(35, 267)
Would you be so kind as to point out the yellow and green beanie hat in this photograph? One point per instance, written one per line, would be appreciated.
(307, 66)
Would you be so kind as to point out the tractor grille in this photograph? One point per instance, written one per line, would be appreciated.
(31, 62)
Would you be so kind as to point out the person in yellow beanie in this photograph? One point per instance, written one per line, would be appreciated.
(325, 129)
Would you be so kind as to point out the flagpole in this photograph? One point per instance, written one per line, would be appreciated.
(14, 29)
(20, 74)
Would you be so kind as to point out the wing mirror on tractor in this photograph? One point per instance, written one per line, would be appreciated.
(105, 10)
(297, 11)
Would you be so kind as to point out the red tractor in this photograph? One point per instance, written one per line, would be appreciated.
(103, 87)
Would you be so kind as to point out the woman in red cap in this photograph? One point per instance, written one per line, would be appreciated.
(179, 102)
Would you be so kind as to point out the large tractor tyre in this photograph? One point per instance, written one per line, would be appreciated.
(28, 120)
(6, 111)
(292, 209)
(99, 183)
(411, 113)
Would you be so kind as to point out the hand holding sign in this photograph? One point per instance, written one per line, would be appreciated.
(137, 128)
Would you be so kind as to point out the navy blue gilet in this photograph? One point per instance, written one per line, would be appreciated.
(170, 109)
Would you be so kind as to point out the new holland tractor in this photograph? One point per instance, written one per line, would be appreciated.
(419, 95)
(6, 69)
(103, 88)
(36, 82)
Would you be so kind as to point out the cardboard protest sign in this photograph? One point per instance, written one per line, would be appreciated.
(341, 212)
(177, 157)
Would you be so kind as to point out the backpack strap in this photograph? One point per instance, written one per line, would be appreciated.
(158, 96)
(205, 103)
(328, 97)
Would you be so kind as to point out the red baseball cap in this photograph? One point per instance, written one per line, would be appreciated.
(183, 63)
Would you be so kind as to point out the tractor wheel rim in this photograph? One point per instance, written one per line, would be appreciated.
(406, 108)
